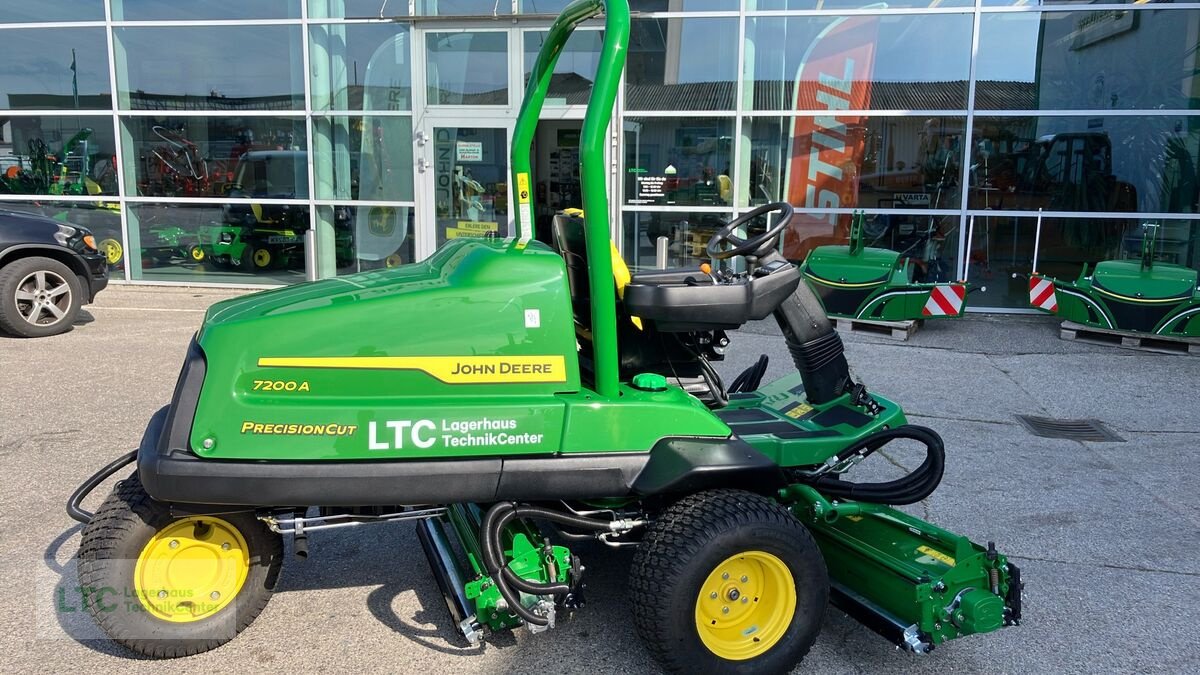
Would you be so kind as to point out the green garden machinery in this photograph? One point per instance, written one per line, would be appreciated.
(855, 281)
(1140, 296)
(500, 395)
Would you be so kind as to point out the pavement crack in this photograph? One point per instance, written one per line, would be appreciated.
(960, 419)
(1111, 566)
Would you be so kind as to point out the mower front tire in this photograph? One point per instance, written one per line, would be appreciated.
(728, 581)
(166, 585)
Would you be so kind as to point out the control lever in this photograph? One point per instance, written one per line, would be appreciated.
(861, 397)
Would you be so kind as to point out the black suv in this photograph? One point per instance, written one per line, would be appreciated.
(48, 270)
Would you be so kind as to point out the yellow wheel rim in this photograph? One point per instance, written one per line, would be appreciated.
(112, 251)
(393, 260)
(745, 605)
(262, 257)
(197, 253)
(191, 569)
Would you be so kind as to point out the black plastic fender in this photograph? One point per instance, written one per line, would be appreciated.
(686, 465)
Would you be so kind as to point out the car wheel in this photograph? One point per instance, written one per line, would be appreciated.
(38, 297)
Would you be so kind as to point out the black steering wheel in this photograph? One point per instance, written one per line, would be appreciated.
(724, 244)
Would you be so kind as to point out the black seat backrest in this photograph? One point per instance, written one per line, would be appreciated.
(570, 243)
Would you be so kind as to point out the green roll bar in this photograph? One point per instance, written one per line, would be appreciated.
(591, 165)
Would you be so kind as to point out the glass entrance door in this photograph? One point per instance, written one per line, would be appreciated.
(465, 174)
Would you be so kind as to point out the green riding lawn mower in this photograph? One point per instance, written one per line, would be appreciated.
(533, 414)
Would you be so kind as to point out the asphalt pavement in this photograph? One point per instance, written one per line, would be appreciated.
(1105, 533)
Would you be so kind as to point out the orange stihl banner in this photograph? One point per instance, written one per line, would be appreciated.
(826, 151)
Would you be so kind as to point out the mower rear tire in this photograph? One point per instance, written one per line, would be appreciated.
(166, 585)
(727, 581)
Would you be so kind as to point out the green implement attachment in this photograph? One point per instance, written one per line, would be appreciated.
(1139, 296)
(856, 281)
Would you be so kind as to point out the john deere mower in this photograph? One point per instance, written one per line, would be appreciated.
(855, 281)
(1138, 296)
(534, 413)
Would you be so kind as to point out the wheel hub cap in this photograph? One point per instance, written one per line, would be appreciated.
(745, 605)
(191, 569)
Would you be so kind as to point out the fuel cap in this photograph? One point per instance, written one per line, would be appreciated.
(649, 382)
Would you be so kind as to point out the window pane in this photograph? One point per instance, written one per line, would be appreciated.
(1089, 60)
(361, 67)
(216, 243)
(467, 68)
(216, 156)
(679, 161)
(57, 156)
(367, 237)
(928, 243)
(682, 64)
(908, 62)
(684, 5)
(36, 76)
(368, 158)
(470, 174)
(24, 11)
(687, 236)
(462, 7)
(104, 221)
(1003, 245)
(1146, 164)
(357, 9)
(157, 10)
(575, 69)
(833, 5)
(210, 68)
(856, 162)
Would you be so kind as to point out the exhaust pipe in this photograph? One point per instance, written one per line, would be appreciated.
(449, 576)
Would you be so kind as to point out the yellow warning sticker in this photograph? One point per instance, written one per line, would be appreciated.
(448, 369)
(523, 188)
(799, 411)
(936, 555)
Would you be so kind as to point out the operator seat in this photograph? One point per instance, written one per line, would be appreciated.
(640, 348)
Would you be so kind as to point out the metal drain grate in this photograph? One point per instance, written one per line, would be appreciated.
(1075, 430)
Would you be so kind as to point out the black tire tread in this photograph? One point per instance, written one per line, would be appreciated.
(14, 325)
(125, 509)
(676, 537)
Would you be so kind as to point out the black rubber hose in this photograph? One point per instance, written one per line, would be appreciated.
(73, 508)
(511, 577)
(490, 561)
(493, 524)
(909, 489)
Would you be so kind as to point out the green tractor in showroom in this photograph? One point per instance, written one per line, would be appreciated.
(501, 397)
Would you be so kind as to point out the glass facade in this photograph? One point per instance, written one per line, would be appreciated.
(270, 141)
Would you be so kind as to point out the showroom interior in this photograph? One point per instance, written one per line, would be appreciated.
(267, 142)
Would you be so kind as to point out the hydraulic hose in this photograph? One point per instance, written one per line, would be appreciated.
(73, 504)
(493, 524)
(909, 489)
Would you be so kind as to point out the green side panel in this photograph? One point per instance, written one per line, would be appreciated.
(636, 420)
(1128, 278)
(813, 433)
(912, 570)
(471, 301)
